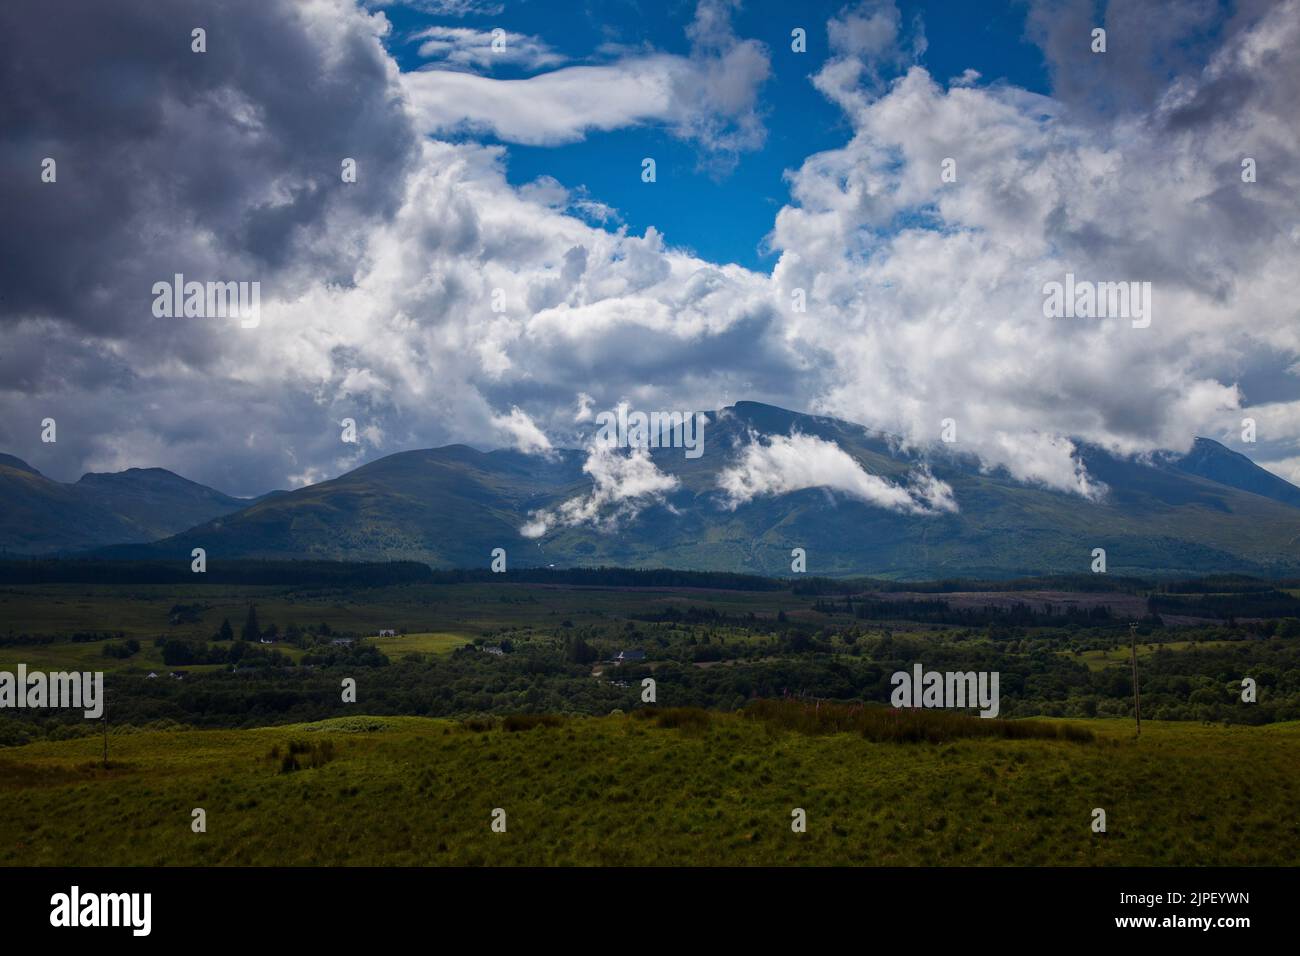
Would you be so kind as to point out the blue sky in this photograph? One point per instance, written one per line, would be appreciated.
(723, 216)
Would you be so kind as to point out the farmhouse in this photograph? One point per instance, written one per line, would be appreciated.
(387, 633)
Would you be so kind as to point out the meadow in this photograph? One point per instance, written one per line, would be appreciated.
(770, 696)
(625, 790)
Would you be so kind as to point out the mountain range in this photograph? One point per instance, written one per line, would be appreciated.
(1210, 510)
(41, 516)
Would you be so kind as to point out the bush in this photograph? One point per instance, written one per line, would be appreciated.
(314, 754)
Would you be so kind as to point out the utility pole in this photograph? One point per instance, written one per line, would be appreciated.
(1137, 700)
(105, 730)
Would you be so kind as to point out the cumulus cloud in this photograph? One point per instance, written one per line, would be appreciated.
(924, 296)
(622, 487)
(709, 97)
(1049, 460)
(523, 432)
(780, 464)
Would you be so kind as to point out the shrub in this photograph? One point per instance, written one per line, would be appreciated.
(314, 754)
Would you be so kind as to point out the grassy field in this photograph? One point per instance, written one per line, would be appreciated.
(1099, 659)
(624, 790)
(428, 643)
(141, 611)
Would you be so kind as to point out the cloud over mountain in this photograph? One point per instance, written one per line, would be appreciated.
(781, 464)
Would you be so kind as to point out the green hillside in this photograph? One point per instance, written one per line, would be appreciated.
(452, 506)
(717, 789)
(41, 516)
(1207, 512)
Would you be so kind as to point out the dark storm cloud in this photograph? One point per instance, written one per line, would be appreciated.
(219, 165)
(1148, 43)
(223, 165)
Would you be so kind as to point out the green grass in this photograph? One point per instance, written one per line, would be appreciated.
(1097, 660)
(716, 789)
(439, 642)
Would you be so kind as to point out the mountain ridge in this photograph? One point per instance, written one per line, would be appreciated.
(42, 516)
(1211, 511)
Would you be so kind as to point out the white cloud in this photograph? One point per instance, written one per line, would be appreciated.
(709, 97)
(622, 487)
(523, 432)
(1047, 460)
(781, 464)
(924, 297)
(445, 8)
(465, 48)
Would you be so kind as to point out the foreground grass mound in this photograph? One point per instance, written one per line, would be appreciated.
(657, 786)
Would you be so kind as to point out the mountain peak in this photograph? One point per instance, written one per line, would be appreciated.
(151, 475)
(1210, 459)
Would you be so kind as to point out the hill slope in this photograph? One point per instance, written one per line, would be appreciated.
(452, 506)
(43, 516)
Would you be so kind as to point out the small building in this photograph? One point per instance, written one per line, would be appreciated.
(387, 633)
(495, 651)
(152, 676)
(342, 641)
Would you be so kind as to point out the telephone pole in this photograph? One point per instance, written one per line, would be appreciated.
(1137, 699)
(104, 721)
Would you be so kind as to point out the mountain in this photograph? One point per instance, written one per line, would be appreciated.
(448, 506)
(1209, 511)
(43, 516)
(1209, 459)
